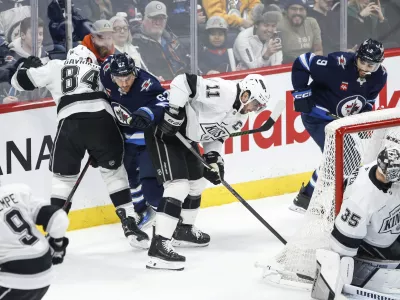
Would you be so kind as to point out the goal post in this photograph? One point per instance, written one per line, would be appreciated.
(350, 142)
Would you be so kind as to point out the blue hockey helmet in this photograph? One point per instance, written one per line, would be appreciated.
(371, 51)
(122, 65)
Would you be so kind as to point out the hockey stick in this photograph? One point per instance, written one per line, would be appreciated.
(268, 124)
(230, 189)
(78, 181)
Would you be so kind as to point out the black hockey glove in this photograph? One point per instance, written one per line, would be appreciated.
(303, 101)
(173, 120)
(58, 249)
(142, 118)
(32, 62)
(215, 160)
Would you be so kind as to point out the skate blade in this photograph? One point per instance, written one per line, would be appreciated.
(159, 264)
(143, 244)
(297, 209)
(185, 244)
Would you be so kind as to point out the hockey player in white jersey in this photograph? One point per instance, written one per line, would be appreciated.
(368, 229)
(206, 111)
(26, 256)
(85, 123)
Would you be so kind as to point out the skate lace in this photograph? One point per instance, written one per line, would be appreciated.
(167, 245)
(196, 232)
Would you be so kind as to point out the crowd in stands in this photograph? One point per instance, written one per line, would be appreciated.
(232, 34)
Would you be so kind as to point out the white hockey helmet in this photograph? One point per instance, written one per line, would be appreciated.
(389, 164)
(256, 86)
(83, 53)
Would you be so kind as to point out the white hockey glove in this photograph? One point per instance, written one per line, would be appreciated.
(333, 273)
(58, 249)
(173, 120)
(217, 173)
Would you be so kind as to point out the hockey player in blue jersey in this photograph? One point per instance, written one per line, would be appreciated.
(137, 100)
(343, 84)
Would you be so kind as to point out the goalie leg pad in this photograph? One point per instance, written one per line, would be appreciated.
(332, 274)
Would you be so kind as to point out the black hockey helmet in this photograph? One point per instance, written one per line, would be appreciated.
(122, 65)
(371, 51)
(389, 164)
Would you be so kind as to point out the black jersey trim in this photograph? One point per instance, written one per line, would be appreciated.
(384, 187)
(28, 266)
(24, 80)
(69, 99)
(349, 242)
(192, 82)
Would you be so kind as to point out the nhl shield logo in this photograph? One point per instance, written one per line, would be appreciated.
(122, 114)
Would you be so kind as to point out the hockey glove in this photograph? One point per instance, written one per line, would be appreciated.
(302, 100)
(142, 118)
(217, 172)
(58, 249)
(32, 62)
(173, 120)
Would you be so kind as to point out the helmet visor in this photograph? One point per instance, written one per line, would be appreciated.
(367, 65)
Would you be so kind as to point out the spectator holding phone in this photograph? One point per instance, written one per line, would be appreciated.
(365, 20)
(260, 45)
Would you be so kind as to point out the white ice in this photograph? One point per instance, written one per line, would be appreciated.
(100, 264)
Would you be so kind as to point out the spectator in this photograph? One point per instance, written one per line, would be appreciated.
(365, 20)
(260, 45)
(213, 57)
(236, 13)
(56, 15)
(391, 38)
(22, 46)
(300, 34)
(10, 20)
(100, 41)
(122, 38)
(101, 9)
(161, 51)
(328, 23)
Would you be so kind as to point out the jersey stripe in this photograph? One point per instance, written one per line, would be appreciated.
(69, 99)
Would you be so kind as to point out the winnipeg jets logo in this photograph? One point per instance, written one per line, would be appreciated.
(213, 131)
(350, 105)
(122, 114)
(342, 61)
(106, 67)
(146, 85)
(361, 80)
(392, 223)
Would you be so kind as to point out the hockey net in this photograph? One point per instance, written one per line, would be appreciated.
(349, 143)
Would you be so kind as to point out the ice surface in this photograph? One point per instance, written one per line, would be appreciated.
(100, 264)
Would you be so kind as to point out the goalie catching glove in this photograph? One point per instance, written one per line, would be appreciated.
(173, 120)
(58, 249)
(217, 172)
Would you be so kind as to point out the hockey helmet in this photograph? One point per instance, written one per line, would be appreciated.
(82, 53)
(389, 164)
(216, 22)
(122, 65)
(371, 51)
(255, 85)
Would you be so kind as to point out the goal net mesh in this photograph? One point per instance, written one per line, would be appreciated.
(349, 143)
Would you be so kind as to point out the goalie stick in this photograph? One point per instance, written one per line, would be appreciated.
(275, 114)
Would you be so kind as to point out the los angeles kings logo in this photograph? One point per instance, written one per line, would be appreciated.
(392, 223)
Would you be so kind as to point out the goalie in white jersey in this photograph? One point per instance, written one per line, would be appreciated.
(85, 123)
(368, 229)
(26, 256)
(206, 111)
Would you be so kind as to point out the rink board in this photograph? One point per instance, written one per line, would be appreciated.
(259, 165)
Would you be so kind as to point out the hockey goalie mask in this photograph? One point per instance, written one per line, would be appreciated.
(82, 53)
(254, 95)
(389, 164)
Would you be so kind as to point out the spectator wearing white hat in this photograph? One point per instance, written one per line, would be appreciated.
(213, 56)
(260, 45)
(161, 51)
(100, 40)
